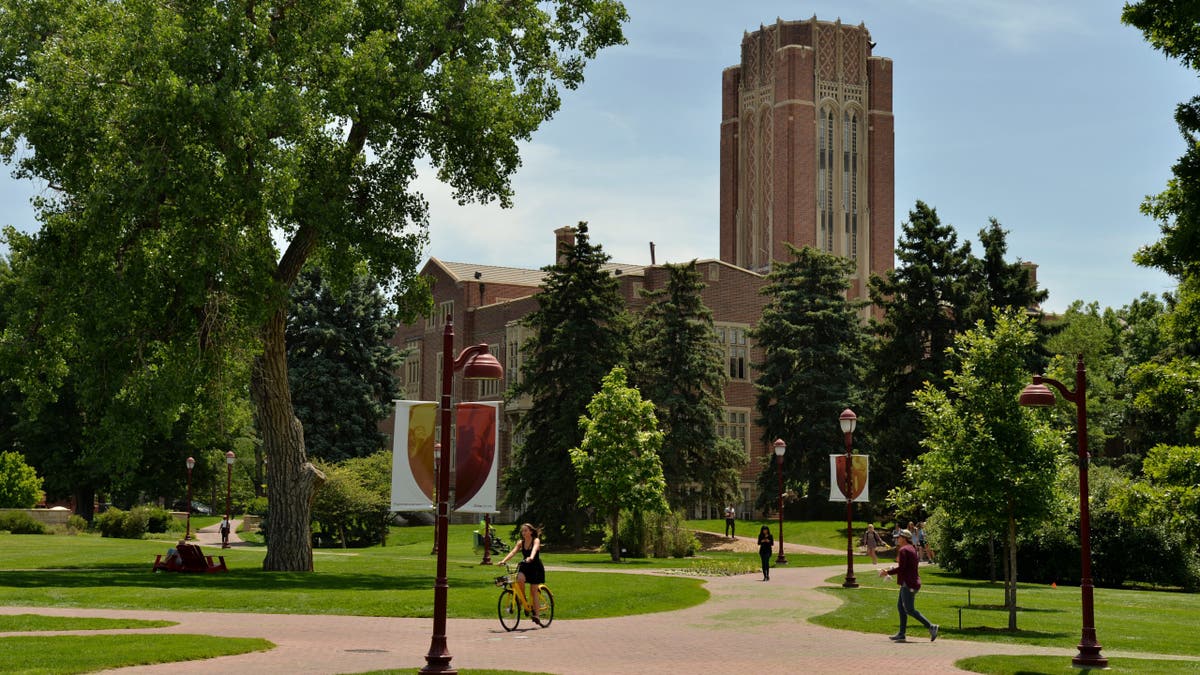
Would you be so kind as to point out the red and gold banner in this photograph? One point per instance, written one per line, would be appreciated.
(412, 456)
(476, 444)
(859, 478)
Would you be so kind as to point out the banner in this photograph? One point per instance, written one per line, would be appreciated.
(477, 444)
(859, 478)
(412, 456)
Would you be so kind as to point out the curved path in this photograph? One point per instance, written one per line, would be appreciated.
(746, 626)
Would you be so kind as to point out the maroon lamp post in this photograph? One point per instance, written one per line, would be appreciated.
(229, 457)
(1038, 394)
(848, 420)
(191, 464)
(477, 364)
(780, 448)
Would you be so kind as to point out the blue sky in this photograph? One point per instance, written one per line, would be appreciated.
(1050, 116)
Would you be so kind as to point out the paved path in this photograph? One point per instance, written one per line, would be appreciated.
(747, 626)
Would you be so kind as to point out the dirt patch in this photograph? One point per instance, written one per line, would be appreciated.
(716, 542)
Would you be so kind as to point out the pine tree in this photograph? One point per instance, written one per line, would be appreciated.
(812, 340)
(1002, 285)
(341, 365)
(680, 368)
(580, 334)
(926, 301)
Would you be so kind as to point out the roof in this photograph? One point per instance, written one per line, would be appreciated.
(516, 276)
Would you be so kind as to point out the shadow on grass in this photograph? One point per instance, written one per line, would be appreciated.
(246, 580)
(982, 631)
(1002, 608)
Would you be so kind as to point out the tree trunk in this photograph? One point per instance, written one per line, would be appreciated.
(614, 521)
(291, 479)
(85, 501)
(1011, 567)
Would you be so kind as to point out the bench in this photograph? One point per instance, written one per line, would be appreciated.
(189, 558)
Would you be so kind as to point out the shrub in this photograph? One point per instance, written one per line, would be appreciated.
(120, 524)
(158, 519)
(76, 524)
(18, 522)
(257, 506)
(110, 522)
(657, 535)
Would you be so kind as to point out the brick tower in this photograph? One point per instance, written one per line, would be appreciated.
(807, 141)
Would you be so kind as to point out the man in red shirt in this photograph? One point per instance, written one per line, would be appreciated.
(910, 582)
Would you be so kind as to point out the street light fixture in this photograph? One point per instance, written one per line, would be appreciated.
(848, 420)
(1038, 394)
(780, 448)
(229, 457)
(191, 464)
(477, 363)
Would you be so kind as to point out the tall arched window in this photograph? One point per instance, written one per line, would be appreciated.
(825, 207)
(850, 163)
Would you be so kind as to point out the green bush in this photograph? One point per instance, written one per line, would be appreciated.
(18, 522)
(158, 519)
(119, 524)
(656, 535)
(110, 522)
(76, 524)
(257, 506)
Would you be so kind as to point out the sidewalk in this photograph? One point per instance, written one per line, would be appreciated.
(746, 626)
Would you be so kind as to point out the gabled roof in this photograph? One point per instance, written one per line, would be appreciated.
(516, 276)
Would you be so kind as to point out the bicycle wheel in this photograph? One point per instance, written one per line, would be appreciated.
(546, 606)
(506, 607)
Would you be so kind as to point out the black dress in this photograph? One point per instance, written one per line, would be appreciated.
(533, 570)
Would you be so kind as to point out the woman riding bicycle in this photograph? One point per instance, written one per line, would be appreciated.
(529, 570)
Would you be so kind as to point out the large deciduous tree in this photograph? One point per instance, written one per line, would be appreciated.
(617, 463)
(580, 332)
(989, 464)
(681, 369)
(341, 364)
(812, 343)
(182, 141)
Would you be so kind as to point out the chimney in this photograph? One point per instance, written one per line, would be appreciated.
(651, 253)
(564, 239)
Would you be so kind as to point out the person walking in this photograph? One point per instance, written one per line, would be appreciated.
(730, 521)
(765, 545)
(910, 583)
(871, 540)
(225, 532)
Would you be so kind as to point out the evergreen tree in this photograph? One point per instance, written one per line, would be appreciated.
(341, 364)
(812, 341)
(681, 369)
(580, 334)
(925, 302)
(1002, 285)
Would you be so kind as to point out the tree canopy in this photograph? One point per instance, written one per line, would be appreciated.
(182, 141)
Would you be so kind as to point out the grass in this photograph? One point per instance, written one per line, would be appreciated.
(823, 533)
(89, 653)
(1157, 622)
(14, 623)
(1051, 665)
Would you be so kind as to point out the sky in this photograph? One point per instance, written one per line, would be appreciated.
(1048, 115)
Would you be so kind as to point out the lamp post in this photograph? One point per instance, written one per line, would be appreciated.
(477, 364)
(191, 463)
(229, 457)
(848, 420)
(437, 460)
(487, 540)
(1038, 394)
(780, 448)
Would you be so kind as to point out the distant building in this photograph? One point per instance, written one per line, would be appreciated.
(806, 157)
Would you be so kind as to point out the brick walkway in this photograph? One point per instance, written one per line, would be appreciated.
(747, 626)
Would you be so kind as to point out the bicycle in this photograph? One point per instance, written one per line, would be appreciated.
(512, 605)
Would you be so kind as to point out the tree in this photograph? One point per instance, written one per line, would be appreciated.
(20, 486)
(811, 340)
(989, 463)
(353, 508)
(1171, 27)
(680, 368)
(341, 364)
(1002, 285)
(617, 462)
(924, 302)
(187, 138)
(580, 334)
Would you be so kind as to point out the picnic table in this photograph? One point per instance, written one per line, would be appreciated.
(189, 558)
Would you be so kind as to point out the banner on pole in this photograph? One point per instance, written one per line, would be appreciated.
(412, 456)
(475, 456)
(859, 478)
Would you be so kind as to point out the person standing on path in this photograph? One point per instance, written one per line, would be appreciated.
(730, 520)
(766, 543)
(910, 583)
(225, 532)
(871, 539)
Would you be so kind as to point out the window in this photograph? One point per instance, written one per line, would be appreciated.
(513, 335)
(825, 180)
(412, 369)
(437, 315)
(732, 339)
(490, 388)
(734, 424)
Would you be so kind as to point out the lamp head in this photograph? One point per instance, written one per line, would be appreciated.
(229, 457)
(191, 463)
(780, 447)
(1038, 395)
(482, 366)
(848, 420)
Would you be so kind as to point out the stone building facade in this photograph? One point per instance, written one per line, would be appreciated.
(806, 141)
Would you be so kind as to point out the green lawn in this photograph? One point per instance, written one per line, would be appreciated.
(1053, 665)
(1145, 621)
(824, 533)
(13, 623)
(88, 653)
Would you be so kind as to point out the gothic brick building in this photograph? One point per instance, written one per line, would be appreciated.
(806, 157)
